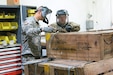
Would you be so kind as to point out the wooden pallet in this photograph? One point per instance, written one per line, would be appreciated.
(31, 67)
(74, 67)
(61, 67)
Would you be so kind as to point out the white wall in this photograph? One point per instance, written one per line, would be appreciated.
(3, 2)
(102, 10)
(103, 14)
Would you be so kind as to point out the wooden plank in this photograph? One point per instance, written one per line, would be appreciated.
(79, 71)
(108, 45)
(109, 73)
(26, 70)
(63, 72)
(64, 67)
(61, 66)
(100, 67)
(46, 69)
(33, 69)
(52, 70)
(36, 61)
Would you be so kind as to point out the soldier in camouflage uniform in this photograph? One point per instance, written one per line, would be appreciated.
(31, 45)
(62, 23)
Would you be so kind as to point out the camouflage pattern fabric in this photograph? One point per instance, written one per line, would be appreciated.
(31, 38)
(75, 27)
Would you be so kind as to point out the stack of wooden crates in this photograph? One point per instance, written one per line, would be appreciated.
(79, 53)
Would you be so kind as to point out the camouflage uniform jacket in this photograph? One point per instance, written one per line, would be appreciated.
(31, 37)
(75, 27)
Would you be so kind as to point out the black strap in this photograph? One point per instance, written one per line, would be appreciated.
(37, 22)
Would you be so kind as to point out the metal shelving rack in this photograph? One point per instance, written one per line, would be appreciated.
(16, 10)
(10, 55)
(24, 11)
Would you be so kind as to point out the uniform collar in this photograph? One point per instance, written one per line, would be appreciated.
(63, 26)
(36, 20)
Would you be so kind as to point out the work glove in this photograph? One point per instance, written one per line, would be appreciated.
(76, 28)
(48, 29)
(68, 28)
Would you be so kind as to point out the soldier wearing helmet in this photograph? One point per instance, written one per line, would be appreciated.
(31, 45)
(62, 23)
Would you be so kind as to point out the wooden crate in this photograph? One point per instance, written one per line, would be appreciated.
(61, 67)
(90, 46)
(31, 67)
(74, 67)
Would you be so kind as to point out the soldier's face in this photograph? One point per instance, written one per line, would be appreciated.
(38, 15)
(62, 19)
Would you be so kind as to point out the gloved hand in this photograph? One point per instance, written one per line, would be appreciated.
(68, 28)
(47, 29)
(76, 28)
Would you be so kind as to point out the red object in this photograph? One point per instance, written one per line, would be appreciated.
(10, 61)
(13, 72)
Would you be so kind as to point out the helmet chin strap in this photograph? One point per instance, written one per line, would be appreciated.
(46, 21)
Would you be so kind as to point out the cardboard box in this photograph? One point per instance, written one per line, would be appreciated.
(88, 46)
(13, 2)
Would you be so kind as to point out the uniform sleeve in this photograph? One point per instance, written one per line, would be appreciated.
(58, 28)
(75, 27)
(54, 26)
(29, 30)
